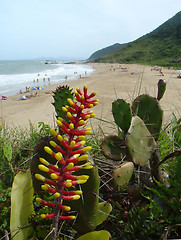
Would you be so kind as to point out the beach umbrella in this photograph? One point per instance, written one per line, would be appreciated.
(3, 97)
(40, 88)
(31, 88)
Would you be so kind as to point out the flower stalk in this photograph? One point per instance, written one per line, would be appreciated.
(69, 151)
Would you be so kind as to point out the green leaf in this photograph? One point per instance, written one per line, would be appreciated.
(101, 235)
(21, 206)
(2, 186)
(7, 149)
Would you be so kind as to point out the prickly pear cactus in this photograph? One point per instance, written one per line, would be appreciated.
(140, 142)
(122, 114)
(101, 235)
(103, 212)
(61, 94)
(161, 89)
(141, 125)
(149, 110)
(114, 147)
(122, 175)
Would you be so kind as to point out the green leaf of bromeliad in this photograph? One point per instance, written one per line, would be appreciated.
(21, 206)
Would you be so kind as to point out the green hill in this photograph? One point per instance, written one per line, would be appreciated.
(162, 46)
(105, 51)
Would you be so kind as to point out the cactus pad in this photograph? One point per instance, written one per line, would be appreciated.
(61, 94)
(101, 235)
(140, 142)
(161, 89)
(149, 110)
(122, 175)
(114, 148)
(122, 114)
(103, 211)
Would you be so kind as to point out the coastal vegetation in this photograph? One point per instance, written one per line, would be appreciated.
(160, 47)
(105, 51)
(130, 182)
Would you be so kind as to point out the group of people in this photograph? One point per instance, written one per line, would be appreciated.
(159, 69)
(37, 80)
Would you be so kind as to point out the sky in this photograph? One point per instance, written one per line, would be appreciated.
(74, 29)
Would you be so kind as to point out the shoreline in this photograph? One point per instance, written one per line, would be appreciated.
(19, 76)
(110, 81)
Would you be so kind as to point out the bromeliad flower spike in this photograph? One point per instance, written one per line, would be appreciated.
(69, 151)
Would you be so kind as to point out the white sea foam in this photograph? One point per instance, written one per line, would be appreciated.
(11, 84)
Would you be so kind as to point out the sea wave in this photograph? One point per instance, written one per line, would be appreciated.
(10, 84)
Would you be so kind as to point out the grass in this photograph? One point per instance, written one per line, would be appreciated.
(22, 141)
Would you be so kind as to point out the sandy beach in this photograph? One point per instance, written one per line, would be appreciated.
(111, 81)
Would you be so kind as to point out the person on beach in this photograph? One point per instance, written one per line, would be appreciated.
(160, 71)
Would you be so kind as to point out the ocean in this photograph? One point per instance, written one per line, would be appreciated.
(16, 76)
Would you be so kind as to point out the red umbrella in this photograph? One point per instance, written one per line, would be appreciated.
(3, 97)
